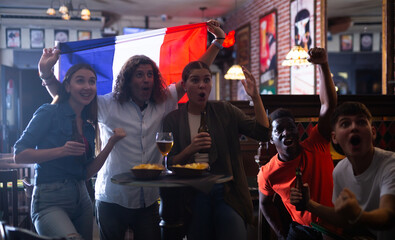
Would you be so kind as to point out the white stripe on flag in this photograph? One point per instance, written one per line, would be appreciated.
(144, 43)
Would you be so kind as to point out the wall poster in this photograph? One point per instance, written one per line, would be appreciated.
(346, 43)
(268, 53)
(366, 42)
(303, 34)
(13, 37)
(62, 35)
(84, 35)
(243, 41)
(37, 38)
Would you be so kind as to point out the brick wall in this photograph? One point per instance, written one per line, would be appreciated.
(250, 13)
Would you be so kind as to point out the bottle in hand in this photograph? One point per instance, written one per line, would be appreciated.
(301, 206)
(77, 137)
(203, 128)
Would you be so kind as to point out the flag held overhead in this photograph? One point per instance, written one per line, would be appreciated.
(171, 48)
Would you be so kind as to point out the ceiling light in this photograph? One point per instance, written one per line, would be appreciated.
(85, 14)
(63, 9)
(66, 10)
(51, 11)
(235, 73)
(296, 57)
(66, 16)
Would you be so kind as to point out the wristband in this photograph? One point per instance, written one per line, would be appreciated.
(218, 45)
(47, 80)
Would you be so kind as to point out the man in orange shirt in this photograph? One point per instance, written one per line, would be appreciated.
(312, 156)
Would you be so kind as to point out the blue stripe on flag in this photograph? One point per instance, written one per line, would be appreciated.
(99, 53)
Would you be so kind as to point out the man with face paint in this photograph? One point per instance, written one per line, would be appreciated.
(312, 156)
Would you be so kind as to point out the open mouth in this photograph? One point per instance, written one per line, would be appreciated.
(288, 142)
(355, 140)
(202, 95)
(85, 95)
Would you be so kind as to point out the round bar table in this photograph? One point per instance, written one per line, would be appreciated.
(171, 189)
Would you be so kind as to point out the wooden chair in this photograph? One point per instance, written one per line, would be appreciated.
(14, 233)
(25, 172)
(7, 176)
(28, 187)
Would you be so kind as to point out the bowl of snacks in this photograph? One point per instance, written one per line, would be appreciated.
(147, 171)
(190, 170)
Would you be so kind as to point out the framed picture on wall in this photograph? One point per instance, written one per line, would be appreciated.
(61, 35)
(346, 43)
(84, 35)
(303, 23)
(243, 41)
(37, 38)
(13, 37)
(303, 34)
(366, 42)
(268, 53)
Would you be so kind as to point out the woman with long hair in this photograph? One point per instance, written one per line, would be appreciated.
(224, 212)
(61, 206)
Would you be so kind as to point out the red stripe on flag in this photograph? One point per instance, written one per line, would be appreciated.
(181, 45)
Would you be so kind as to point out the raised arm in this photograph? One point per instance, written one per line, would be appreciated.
(209, 56)
(45, 69)
(328, 95)
(250, 86)
(214, 28)
(95, 166)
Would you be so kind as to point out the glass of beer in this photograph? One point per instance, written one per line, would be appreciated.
(164, 141)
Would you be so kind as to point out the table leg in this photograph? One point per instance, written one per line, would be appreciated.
(172, 212)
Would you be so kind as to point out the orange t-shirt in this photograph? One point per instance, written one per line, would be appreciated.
(317, 166)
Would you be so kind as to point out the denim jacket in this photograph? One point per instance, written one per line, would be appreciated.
(51, 127)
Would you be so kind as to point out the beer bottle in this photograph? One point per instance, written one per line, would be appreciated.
(299, 185)
(203, 128)
(77, 137)
(262, 156)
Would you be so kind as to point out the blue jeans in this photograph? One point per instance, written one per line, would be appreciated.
(213, 218)
(62, 209)
(113, 221)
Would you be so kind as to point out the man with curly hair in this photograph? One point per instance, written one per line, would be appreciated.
(138, 103)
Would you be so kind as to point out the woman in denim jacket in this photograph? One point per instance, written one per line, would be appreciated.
(61, 206)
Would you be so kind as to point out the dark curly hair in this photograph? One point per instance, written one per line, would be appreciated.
(280, 113)
(122, 90)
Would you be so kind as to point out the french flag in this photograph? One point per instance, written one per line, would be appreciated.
(171, 48)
